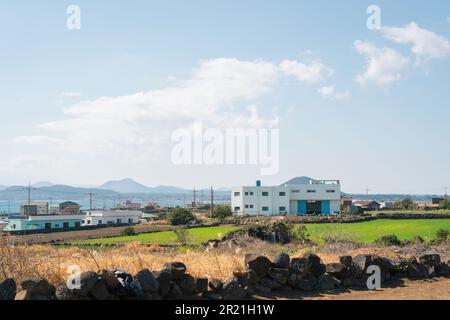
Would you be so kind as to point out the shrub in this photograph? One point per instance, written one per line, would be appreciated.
(128, 231)
(299, 233)
(180, 216)
(279, 232)
(442, 235)
(406, 204)
(388, 240)
(222, 212)
(445, 204)
(182, 237)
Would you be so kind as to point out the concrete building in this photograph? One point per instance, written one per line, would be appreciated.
(129, 205)
(41, 223)
(367, 205)
(69, 208)
(301, 195)
(111, 217)
(35, 208)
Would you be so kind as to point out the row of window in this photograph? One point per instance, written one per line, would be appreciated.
(264, 209)
(281, 193)
(119, 221)
(264, 194)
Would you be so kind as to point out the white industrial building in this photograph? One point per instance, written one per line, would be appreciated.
(301, 195)
(111, 217)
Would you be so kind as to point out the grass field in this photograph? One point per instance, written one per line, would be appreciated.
(441, 211)
(364, 232)
(196, 236)
(368, 232)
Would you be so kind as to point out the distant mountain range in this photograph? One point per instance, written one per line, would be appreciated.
(112, 190)
(130, 186)
(42, 184)
(130, 189)
(125, 186)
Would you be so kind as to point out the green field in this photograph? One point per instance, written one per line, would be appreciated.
(364, 232)
(368, 232)
(196, 236)
(422, 212)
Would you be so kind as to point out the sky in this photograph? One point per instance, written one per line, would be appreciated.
(367, 106)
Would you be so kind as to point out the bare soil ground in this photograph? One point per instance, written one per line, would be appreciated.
(84, 234)
(436, 289)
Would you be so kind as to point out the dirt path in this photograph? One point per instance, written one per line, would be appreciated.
(411, 290)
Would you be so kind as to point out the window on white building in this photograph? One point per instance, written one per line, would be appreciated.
(311, 191)
(237, 208)
(237, 194)
(265, 208)
(265, 194)
(282, 209)
(282, 194)
(331, 191)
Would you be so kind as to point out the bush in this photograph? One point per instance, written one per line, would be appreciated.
(182, 237)
(445, 204)
(222, 212)
(128, 231)
(180, 217)
(443, 235)
(279, 232)
(388, 240)
(406, 204)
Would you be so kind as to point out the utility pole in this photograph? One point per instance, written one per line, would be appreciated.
(446, 195)
(367, 192)
(29, 200)
(212, 202)
(194, 204)
(90, 200)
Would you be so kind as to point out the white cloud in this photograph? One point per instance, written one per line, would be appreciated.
(425, 45)
(329, 92)
(383, 65)
(144, 120)
(313, 72)
(108, 134)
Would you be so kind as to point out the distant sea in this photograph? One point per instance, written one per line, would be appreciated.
(13, 207)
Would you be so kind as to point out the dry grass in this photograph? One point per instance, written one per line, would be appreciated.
(24, 262)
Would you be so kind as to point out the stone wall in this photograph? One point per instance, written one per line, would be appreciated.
(262, 277)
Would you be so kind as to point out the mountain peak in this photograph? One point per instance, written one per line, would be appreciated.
(126, 185)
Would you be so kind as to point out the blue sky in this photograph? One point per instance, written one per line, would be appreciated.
(387, 134)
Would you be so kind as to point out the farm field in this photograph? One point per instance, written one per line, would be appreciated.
(196, 236)
(364, 232)
(421, 212)
(368, 232)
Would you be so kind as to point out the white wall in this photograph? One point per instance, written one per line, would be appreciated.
(239, 199)
(94, 218)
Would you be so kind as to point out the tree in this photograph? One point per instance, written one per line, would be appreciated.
(180, 216)
(222, 212)
(128, 231)
(406, 204)
(445, 204)
(182, 237)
